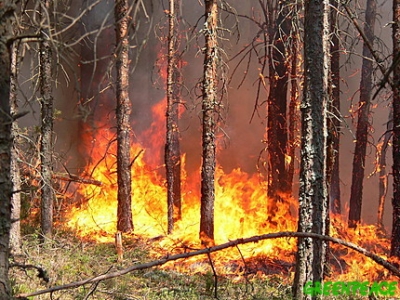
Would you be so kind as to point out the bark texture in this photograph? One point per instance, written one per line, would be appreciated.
(46, 138)
(334, 120)
(172, 145)
(363, 123)
(15, 230)
(277, 134)
(209, 104)
(395, 242)
(6, 14)
(313, 199)
(124, 214)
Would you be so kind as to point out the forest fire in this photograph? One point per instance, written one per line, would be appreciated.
(240, 212)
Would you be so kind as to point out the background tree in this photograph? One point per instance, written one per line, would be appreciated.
(209, 105)
(6, 16)
(123, 112)
(46, 127)
(313, 198)
(172, 146)
(334, 118)
(395, 241)
(363, 124)
(279, 27)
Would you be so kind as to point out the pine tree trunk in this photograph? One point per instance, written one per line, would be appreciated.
(172, 146)
(46, 140)
(395, 242)
(277, 109)
(313, 199)
(6, 10)
(363, 122)
(124, 214)
(383, 176)
(15, 230)
(334, 121)
(208, 135)
(293, 118)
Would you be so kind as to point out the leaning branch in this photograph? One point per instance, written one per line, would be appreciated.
(288, 234)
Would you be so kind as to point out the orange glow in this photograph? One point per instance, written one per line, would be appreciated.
(240, 211)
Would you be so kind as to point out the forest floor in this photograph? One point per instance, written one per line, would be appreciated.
(69, 259)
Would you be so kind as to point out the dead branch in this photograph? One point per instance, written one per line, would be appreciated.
(76, 178)
(287, 234)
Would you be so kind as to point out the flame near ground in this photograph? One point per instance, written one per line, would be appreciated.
(240, 212)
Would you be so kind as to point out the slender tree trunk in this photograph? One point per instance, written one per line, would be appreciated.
(363, 124)
(313, 199)
(383, 176)
(15, 230)
(395, 242)
(277, 108)
(334, 120)
(172, 146)
(209, 104)
(46, 138)
(6, 12)
(124, 214)
(293, 118)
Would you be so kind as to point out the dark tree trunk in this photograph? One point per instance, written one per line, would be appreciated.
(6, 11)
(15, 231)
(395, 243)
(172, 146)
(293, 117)
(123, 112)
(313, 199)
(209, 104)
(277, 108)
(46, 139)
(363, 124)
(383, 176)
(334, 120)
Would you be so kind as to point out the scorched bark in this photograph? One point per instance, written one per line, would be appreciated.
(313, 200)
(124, 213)
(209, 103)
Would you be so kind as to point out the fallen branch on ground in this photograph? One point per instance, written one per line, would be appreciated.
(288, 234)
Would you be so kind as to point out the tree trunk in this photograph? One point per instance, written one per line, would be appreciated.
(382, 148)
(6, 12)
(363, 124)
(395, 242)
(15, 230)
(209, 105)
(46, 138)
(334, 120)
(124, 213)
(293, 117)
(172, 146)
(277, 108)
(313, 199)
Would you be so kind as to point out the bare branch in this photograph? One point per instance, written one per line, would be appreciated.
(254, 239)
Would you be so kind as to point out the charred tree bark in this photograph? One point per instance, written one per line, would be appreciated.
(313, 198)
(209, 104)
(124, 213)
(293, 118)
(383, 176)
(172, 145)
(363, 123)
(277, 108)
(334, 119)
(395, 241)
(15, 230)
(6, 15)
(46, 138)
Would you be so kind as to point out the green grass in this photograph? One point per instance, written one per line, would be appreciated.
(69, 259)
